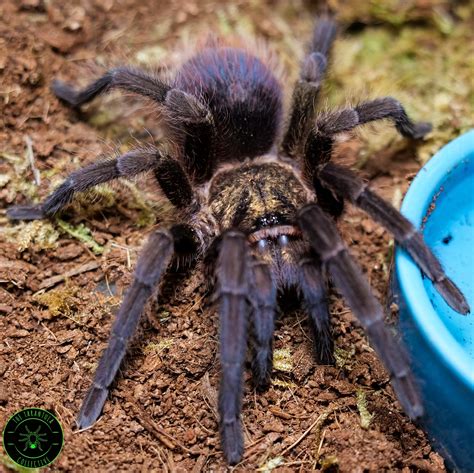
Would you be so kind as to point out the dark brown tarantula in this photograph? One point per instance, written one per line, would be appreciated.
(263, 215)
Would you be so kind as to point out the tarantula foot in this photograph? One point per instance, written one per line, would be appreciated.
(65, 92)
(261, 380)
(26, 212)
(453, 296)
(232, 441)
(323, 345)
(407, 394)
(324, 356)
(91, 407)
(420, 130)
(262, 370)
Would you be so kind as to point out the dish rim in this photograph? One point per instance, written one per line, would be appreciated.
(410, 280)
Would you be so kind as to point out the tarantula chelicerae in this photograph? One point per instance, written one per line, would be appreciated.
(260, 212)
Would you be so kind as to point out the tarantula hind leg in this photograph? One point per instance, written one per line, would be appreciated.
(232, 271)
(350, 186)
(153, 261)
(128, 79)
(322, 234)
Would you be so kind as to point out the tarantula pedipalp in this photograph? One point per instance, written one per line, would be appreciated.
(254, 211)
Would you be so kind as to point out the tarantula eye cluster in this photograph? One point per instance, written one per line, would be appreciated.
(261, 212)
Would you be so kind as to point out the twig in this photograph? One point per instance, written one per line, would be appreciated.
(52, 281)
(199, 465)
(279, 413)
(127, 249)
(320, 446)
(296, 463)
(31, 158)
(48, 330)
(85, 429)
(164, 437)
(320, 419)
(209, 395)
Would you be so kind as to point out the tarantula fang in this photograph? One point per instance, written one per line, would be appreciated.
(262, 215)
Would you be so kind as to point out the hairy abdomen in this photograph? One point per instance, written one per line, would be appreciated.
(243, 95)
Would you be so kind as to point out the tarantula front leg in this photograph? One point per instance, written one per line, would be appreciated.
(127, 165)
(312, 285)
(318, 147)
(324, 238)
(153, 261)
(137, 161)
(350, 186)
(263, 296)
(232, 273)
(308, 86)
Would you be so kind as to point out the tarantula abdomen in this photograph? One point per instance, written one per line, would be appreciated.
(243, 95)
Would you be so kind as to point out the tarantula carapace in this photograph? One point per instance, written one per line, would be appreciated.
(259, 210)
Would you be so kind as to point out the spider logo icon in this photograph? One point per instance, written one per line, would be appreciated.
(33, 439)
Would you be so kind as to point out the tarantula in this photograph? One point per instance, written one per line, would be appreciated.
(260, 210)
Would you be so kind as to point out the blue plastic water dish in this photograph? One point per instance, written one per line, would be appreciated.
(440, 202)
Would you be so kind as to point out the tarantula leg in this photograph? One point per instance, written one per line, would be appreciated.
(194, 118)
(125, 78)
(200, 150)
(180, 104)
(308, 86)
(319, 144)
(175, 184)
(128, 165)
(327, 199)
(232, 290)
(153, 261)
(349, 185)
(324, 238)
(313, 287)
(26, 212)
(263, 298)
(185, 107)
